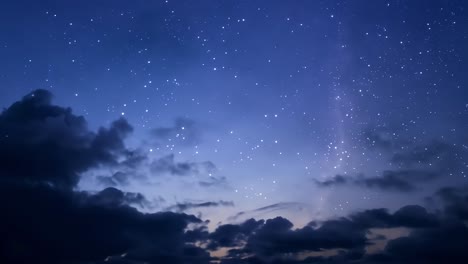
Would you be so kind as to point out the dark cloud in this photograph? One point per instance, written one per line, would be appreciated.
(185, 131)
(336, 180)
(454, 201)
(279, 206)
(441, 243)
(268, 209)
(439, 155)
(435, 238)
(133, 159)
(182, 207)
(44, 148)
(399, 180)
(384, 138)
(118, 178)
(411, 216)
(41, 224)
(114, 197)
(414, 216)
(127, 170)
(392, 180)
(276, 237)
(167, 164)
(41, 142)
(416, 163)
(214, 182)
(446, 244)
(231, 235)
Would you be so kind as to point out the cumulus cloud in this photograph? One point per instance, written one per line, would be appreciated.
(182, 207)
(185, 131)
(434, 237)
(115, 197)
(44, 148)
(118, 178)
(391, 180)
(214, 181)
(283, 206)
(168, 165)
(42, 142)
(50, 226)
(415, 164)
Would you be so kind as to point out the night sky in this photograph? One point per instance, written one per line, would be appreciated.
(153, 131)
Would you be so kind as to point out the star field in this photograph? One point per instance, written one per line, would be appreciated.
(307, 110)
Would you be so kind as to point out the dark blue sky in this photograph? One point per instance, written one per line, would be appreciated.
(255, 103)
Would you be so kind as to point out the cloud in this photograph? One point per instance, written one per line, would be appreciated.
(454, 201)
(118, 178)
(440, 245)
(399, 180)
(182, 207)
(185, 131)
(277, 238)
(391, 180)
(77, 227)
(231, 235)
(42, 142)
(383, 138)
(127, 169)
(279, 206)
(168, 165)
(434, 237)
(336, 180)
(411, 216)
(267, 209)
(440, 156)
(133, 159)
(114, 197)
(415, 164)
(213, 181)
(44, 148)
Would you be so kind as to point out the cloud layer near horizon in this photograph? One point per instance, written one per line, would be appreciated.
(44, 148)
